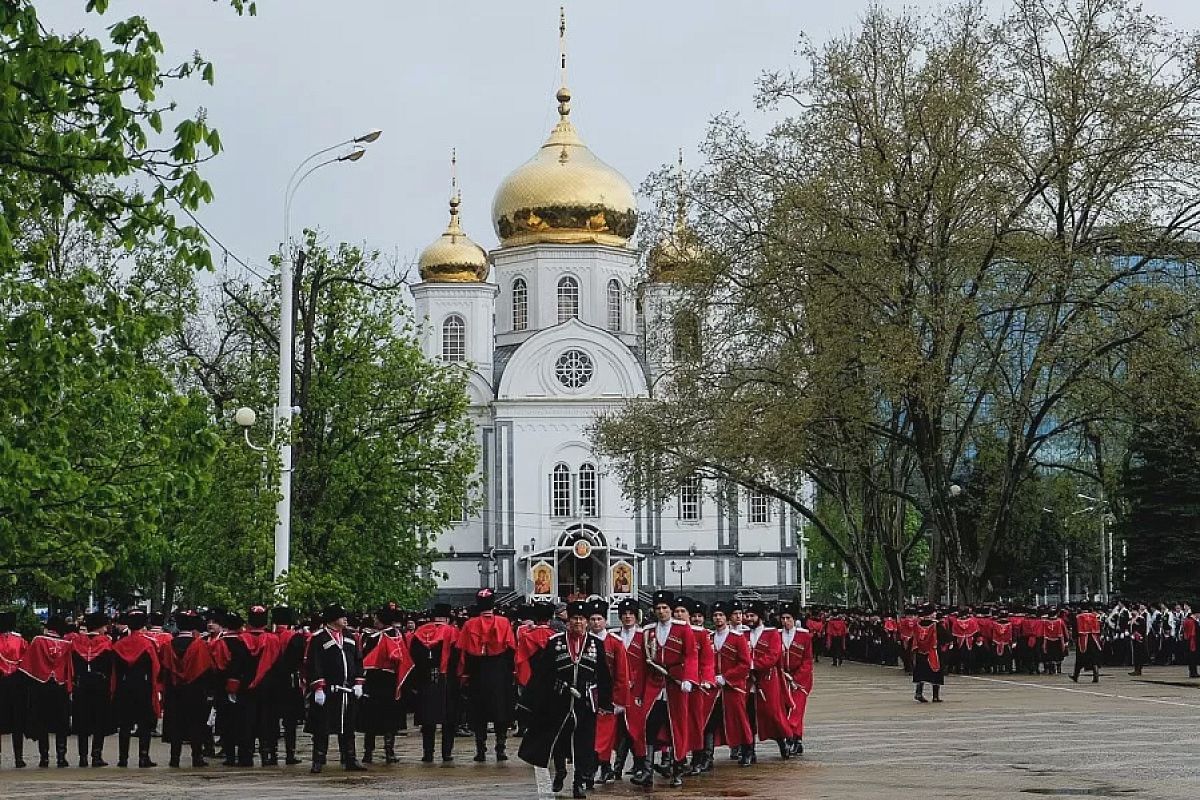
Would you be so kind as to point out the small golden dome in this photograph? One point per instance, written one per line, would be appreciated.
(453, 257)
(564, 194)
(670, 258)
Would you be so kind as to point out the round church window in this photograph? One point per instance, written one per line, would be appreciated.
(573, 369)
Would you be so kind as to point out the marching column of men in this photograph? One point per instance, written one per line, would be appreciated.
(665, 692)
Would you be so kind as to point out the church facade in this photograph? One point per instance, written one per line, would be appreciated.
(555, 326)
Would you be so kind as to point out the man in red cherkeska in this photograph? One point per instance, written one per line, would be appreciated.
(767, 708)
(488, 649)
(796, 666)
(702, 700)
(618, 669)
(12, 685)
(729, 724)
(927, 662)
(47, 665)
(667, 675)
(631, 724)
(1088, 650)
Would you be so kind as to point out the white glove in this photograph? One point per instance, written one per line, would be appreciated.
(231, 697)
(358, 690)
(720, 680)
(319, 697)
(618, 709)
(686, 686)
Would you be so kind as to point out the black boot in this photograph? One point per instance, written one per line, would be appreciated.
(577, 791)
(83, 749)
(797, 746)
(743, 755)
(620, 756)
(480, 748)
(678, 768)
(427, 736)
(447, 743)
(368, 748)
(144, 761)
(1095, 675)
(289, 745)
(389, 749)
(937, 694)
(123, 738)
(176, 752)
(501, 744)
(641, 775)
(44, 753)
(560, 777)
(98, 752)
(785, 751)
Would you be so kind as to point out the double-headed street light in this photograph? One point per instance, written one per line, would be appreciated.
(284, 408)
(681, 570)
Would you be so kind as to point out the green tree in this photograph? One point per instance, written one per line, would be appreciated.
(383, 449)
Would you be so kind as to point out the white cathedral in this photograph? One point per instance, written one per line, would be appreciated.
(557, 325)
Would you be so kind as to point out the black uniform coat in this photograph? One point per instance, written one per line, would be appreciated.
(555, 717)
(334, 668)
(433, 679)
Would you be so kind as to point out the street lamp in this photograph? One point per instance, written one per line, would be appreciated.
(803, 570)
(1106, 554)
(284, 408)
(681, 570)
(488, 567)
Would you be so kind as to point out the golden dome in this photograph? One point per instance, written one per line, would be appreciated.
(453, 257)
(670, 258)
(564, 194)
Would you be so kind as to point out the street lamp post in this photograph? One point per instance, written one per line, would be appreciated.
(803, 570)
(488, 567)
(681, 570)
(284, 409)
(1105, 544)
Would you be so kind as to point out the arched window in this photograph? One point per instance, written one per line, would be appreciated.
(520, 305)
(454, 340)
(685, 345)
(560, 491)
(614, 305)
(568, 299)
(589, 491)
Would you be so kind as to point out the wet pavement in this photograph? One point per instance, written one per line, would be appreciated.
(994, 737)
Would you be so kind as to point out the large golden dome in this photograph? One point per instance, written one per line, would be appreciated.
(564, 194)
(453, 257)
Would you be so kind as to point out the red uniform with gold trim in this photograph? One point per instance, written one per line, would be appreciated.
(770, 713)
(796, 666)
(667, 665)
(618, 670)
(732, 664)
(704, 696)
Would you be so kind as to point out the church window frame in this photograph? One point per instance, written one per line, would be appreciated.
(520, 304)
(615, 309)
(691, 492)
(454, 339)
(685, 337)
(560, 491)
(758, 507)
(588, 490)
(568, 298)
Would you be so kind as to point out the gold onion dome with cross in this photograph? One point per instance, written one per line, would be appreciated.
(453, 257)
(564, 194)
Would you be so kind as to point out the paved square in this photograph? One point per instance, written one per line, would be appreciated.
(994, 737)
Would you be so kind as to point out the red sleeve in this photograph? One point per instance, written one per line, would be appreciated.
(691, 661)
(768, 651)
(736, 674)
(705, 659)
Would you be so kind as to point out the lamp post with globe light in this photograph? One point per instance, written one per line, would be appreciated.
(245, 417)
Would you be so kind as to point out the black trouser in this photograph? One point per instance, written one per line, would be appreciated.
(429, 735)
(345, 748)
(658, 719)
(97, 749)
(60, 746)
(320, 728)
(480, 729)
(145, 733)
(577, 741)
(191, 722)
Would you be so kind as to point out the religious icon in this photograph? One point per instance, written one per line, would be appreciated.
(543, 576)
(622, 578)
(582, 548)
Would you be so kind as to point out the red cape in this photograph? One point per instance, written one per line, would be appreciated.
(487, 635)
(925, 642)
(90, 646)
(49, 659)
(197, 660)
(12, 648)
(267, 646)
(431, 634)
(391, 654)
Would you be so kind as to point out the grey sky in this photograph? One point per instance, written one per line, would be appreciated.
(478, 75)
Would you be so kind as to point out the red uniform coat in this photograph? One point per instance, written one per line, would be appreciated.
(48, 659)
(635, 711)
(1002, 636)
(835, 629)
(1087, 631)
(1190, 632)
(618, 671)
(12, 648)
(1054, 630)
(704, 696)
(732, 664)
(796, 666)
(676, 657)
(768, 695)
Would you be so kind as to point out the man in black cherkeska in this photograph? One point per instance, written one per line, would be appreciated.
(570, 682)
(335, 683)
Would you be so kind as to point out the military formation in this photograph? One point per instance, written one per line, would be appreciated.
(648, 701)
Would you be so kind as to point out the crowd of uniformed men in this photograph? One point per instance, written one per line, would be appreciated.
(653, 696)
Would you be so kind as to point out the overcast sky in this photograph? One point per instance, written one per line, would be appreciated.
(478, 75)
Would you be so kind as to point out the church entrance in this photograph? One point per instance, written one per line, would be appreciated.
(582, 556)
